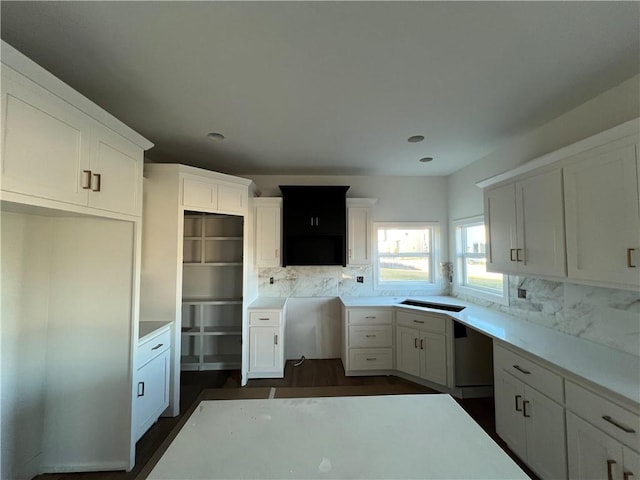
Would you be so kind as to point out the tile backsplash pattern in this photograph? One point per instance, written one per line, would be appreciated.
(606, 316)
(325, 282)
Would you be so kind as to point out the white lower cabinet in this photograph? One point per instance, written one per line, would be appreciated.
(152, 380)
(603, 437)
(424, 346)
(367, 337)
(527, 419)
(266, 343)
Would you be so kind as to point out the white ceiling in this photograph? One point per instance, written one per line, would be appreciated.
(330, 87)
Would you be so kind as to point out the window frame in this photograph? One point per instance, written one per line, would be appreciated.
(459, 266)
(433, 256)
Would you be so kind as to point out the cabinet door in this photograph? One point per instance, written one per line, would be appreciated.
(199, 193)
(359, 235)
(232, 198)
(152, 398)
(592, 454)
(500, 221)
(116, 166)
(540, 220)
(407, 351)
(603, 217)
(268, 227)
(45, 142)
(433, 357)
(509, 402)
(265, 349)
(545, 427)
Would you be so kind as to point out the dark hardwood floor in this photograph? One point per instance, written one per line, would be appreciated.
(312, 378)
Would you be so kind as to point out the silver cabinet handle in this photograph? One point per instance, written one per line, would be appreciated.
(275, 339)
(418, 321)
(277, 253)
(140, 389)
(157, 346)
(415, 343)
(371, 359)
(610, 464)
(518, 407)
(511, 250)
(524, 409)
(371, 317)
(371, 336)
(518, 259)
(422, 344)
(522, 370)
(311, 221)
(263, 319)
(615, 423)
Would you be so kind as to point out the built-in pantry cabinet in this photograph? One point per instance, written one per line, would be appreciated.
(71, 203)
(581, 202)
(194, 265)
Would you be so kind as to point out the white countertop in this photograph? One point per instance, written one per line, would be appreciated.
(149, 328)
(268, 303)
(616, 371)
(376, 437)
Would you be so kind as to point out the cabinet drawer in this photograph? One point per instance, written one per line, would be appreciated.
(594, 408)
(370, 359)
(543, 380)
(153, 346)
(370, 317)
(264, 319)
(370, 336)
(432, 323)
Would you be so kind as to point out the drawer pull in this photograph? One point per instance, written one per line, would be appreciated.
(418, 321)
(522, 370)
(422, 344)
(263, 319)
(371, 359)
(141, 389)
(98, 177)
(371, 317)
(624, 428)
(518, 407)
(627, 475)
(511, 250)
(524, 409)
(610, 464)
(157, 346)
(371, 336)
(415, 343)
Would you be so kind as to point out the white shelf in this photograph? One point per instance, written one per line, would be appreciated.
(222, 331)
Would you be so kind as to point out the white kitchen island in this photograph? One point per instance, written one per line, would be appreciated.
(395, 436)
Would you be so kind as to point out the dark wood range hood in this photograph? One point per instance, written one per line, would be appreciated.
(314, 225)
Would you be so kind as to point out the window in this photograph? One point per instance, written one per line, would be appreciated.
(405, 255)
(471, 273)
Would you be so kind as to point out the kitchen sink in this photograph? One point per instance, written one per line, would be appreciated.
(435, 306)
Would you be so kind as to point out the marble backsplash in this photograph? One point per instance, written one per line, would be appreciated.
(327, 282)
(606, 316)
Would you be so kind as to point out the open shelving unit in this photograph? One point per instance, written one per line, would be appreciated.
(212, 292)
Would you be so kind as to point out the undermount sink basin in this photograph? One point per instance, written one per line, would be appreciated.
(435, 306)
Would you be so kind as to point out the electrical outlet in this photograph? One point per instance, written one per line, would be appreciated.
(522, 293)
(270, 280)
(360, 279)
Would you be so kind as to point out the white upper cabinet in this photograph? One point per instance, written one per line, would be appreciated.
(603, 214)
(210, 194)
(53, 150)
(525, 226)
(268, 231)
(359, 240)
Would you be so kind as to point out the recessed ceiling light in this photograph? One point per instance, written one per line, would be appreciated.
(415, 139)
(215, 136)
(426, 159)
